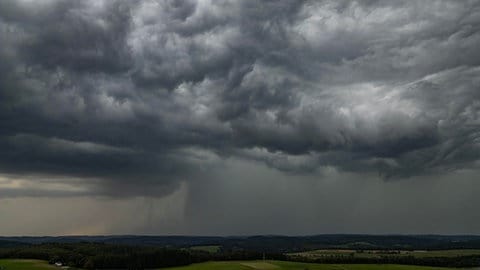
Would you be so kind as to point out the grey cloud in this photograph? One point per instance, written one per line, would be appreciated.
(265, 201)
(71, 35)
(141, 96)
(26, 192)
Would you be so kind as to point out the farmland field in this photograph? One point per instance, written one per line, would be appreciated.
(325, 253)
(209, 249)
(280, 265)
(25, 265)
(14, 264)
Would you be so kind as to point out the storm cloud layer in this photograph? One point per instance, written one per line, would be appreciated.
(134, 98)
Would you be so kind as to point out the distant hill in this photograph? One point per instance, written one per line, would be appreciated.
(271, 243)
(367, 242)
(9, 244)
(173, 241)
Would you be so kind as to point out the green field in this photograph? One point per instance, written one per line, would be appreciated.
(279, 265)
(209, 249)
(235, 265)
(25, 265)
(322, 253)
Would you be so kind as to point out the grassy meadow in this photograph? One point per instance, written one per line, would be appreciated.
(9, 264)
(322, 253)
(280, 265)
(22, 264)
(209, 249)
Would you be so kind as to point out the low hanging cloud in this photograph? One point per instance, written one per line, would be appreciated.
(136, 97)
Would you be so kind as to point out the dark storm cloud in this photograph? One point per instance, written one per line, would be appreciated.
(139, 95)
(71, 35)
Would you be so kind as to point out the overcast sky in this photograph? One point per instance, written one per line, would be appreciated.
(239, 117)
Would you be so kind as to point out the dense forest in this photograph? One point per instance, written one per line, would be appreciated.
(109, 256)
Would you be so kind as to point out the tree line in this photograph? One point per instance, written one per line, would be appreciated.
(111, 256)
